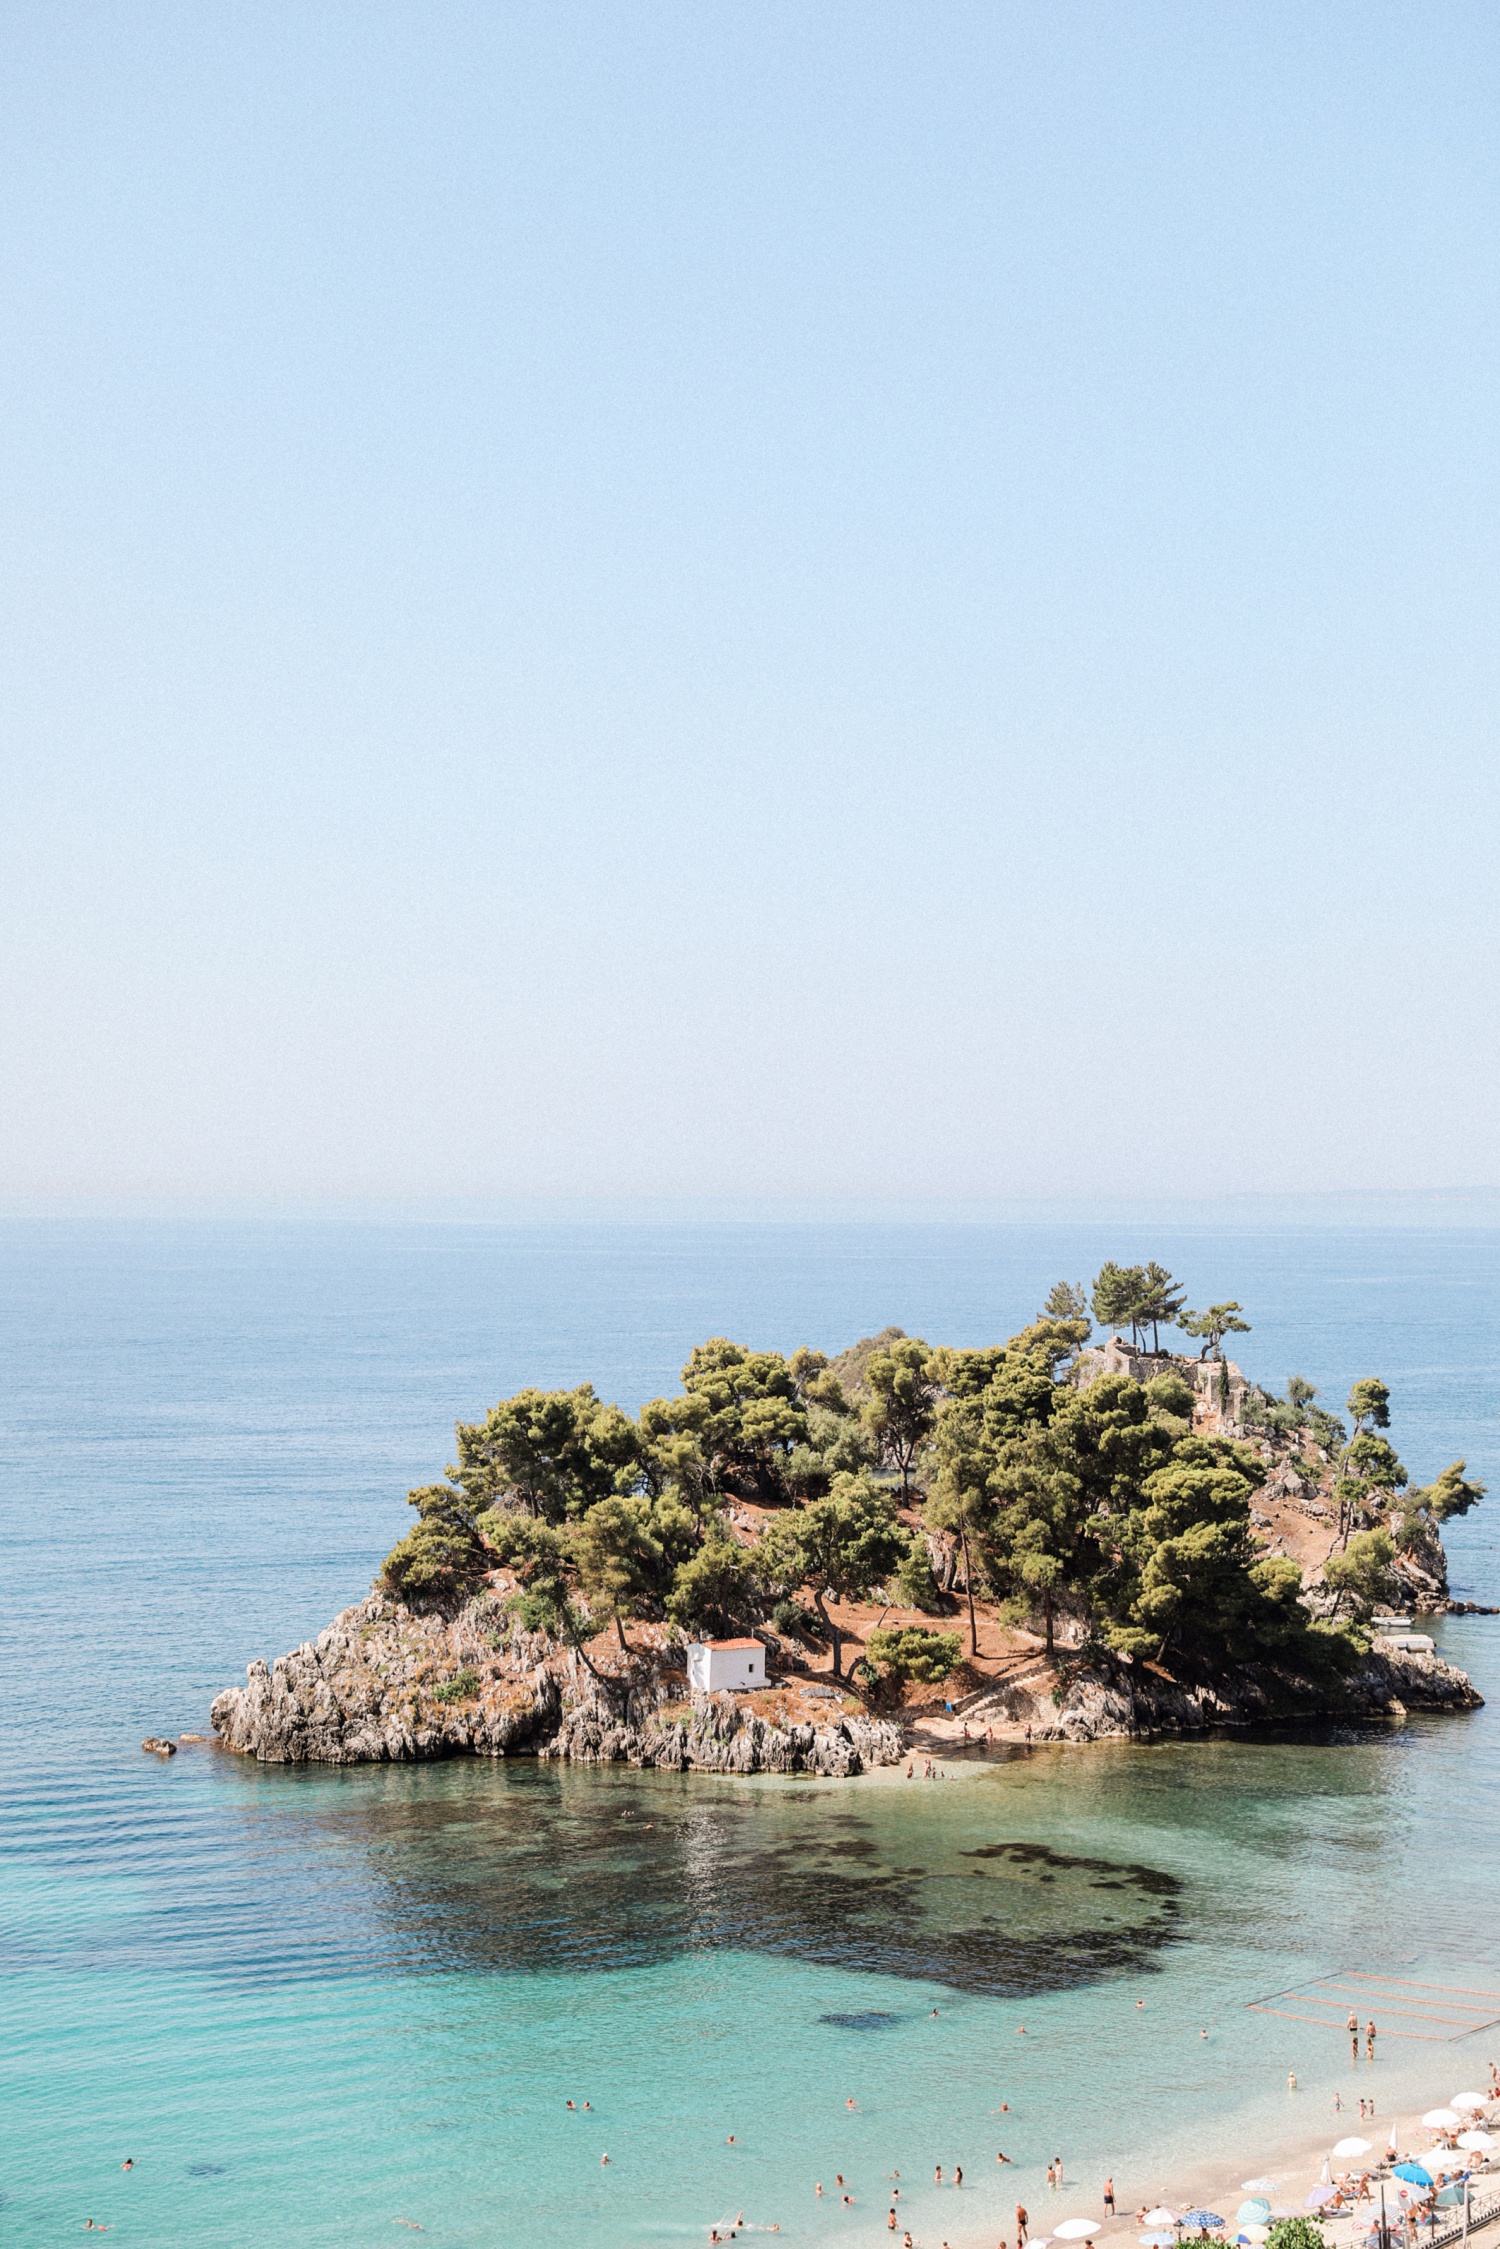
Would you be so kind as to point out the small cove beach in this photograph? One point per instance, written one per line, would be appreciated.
(1287, 2167)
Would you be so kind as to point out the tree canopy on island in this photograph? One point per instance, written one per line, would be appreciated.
(770, 1487)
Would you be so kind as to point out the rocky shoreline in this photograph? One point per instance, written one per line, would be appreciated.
(1105, 1700)
(385, 1684)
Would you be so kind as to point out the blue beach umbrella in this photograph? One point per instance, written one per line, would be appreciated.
(1256, 2212)
(1201, 2218)
(1412, 2171)
(1158, 2241)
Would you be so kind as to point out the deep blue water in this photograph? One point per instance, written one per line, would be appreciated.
(311, 2004)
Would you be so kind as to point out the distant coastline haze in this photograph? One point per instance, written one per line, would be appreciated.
(785, 604)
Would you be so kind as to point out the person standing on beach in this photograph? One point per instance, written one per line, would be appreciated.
(1109, 2198)
(1021, 2224)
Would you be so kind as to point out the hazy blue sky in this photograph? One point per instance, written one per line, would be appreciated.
(768, 599)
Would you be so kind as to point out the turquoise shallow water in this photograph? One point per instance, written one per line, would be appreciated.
(312, 2004)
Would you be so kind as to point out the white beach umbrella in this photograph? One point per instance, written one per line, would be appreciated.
(1257, 2186)
(1442, 2119)
(1254, 2233)
(1477, 2141)
(1468, 2101)
(1160, 2216)
(1351, 2146)
(1076, 2229)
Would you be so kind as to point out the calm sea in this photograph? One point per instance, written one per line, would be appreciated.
(324, 2006)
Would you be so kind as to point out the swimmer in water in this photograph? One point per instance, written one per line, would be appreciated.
(572, 2104)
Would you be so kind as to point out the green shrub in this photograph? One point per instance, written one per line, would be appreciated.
(437, 1565)
(912, 1651)
(793, 1622)
(914, 1585)
(1170, 1394)
(460, 1688)
(1295, 2233)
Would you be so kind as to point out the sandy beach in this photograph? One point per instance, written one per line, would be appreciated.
(1293, 2161)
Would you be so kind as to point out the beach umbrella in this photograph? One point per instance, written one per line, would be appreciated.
(1352, 2146)
(1469, 2101)
(1160, 2216)
(1474, 2139)
(1158, 2241)
(1257, 2186)
(1076, 2229)
(1253, 2213)
(1201, 2218)
(1318, 2197)
(1441, 2119)
(1254, 2233)
(1413, 2172)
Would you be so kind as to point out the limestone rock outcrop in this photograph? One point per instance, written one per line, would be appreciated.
(386, 1685)
(1104, 1700)
(718, 1736)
